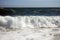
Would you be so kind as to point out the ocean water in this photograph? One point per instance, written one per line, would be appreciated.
(31, 17)
(37, 11)
(29, 21)
(30, 27)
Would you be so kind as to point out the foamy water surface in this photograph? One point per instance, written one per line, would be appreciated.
(30, 27)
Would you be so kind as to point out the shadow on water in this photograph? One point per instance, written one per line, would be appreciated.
(30, 11)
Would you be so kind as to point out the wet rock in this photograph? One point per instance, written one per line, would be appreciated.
(4, 12)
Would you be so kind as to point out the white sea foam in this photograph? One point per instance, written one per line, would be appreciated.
(29, 21)
(27, 24)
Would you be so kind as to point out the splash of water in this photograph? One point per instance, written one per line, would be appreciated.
(29, 21)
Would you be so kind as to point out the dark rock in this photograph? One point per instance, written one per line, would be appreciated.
(5, 12)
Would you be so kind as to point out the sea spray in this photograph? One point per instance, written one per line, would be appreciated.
(29, 21)
(29, 27)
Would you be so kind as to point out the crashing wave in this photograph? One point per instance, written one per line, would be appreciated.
(29, 21)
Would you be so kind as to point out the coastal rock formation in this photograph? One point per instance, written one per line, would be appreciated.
(5, 12)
